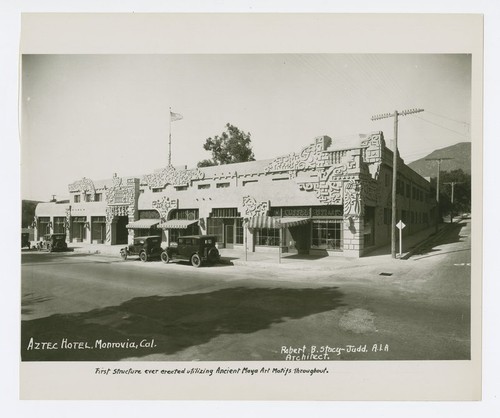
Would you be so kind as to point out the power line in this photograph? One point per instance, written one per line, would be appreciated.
(446, 117)
(441, 126)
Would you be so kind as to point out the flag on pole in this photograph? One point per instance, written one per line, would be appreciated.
(175, 116)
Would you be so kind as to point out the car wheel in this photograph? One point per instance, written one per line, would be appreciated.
(213, 255)
(165, 257)
(143, 256)
(196, 260)
(123, 254)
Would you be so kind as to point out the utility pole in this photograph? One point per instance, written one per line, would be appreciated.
(437, 185)
(452, 194)
(395, 157)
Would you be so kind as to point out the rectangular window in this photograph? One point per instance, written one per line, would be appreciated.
(98, 197)
(59, 225)
(203, 186)
(77, 198)
(408, 190)
(280, 178)
(327, 234)
(268, 237)
(216, 227)
(222, 185)
(43, 225)
(224, 213)
(157, 189)
(98, 228)
(88, 198)
(239, 231)
(245, 182)
(181, 188)
(78, 229)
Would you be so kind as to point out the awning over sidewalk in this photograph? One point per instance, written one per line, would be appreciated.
(291, 221)
(177, 224)
(143, 224)
(259, 222)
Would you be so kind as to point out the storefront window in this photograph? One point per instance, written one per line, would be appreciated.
(239, 231)
(98, 228)
(216, 227)
(78, 229)
(43, 225)
(327, 234)
(59, 225)
(268, 236)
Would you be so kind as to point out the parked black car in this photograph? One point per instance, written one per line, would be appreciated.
(197, 249)
(145, 247)
(52, 242)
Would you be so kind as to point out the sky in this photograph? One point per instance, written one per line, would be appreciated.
(95, 115)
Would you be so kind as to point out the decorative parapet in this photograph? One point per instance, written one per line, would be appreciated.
(170, 175)
(311, 157)
(119, 193)
(251, 208)
(164, 206)
(83, 186)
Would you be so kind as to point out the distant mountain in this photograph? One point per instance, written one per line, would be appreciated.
(460, 154)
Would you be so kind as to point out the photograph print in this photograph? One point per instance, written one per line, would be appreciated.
(246, 207)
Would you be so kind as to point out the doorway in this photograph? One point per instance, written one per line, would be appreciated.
(229, 236)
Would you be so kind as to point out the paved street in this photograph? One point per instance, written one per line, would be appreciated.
(78, 306)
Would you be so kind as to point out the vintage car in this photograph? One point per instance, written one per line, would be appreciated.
(52, 242)
(25, 240)
(145, 247)
(197, 249)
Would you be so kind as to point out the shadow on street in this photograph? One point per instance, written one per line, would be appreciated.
(449, 235)
(175, 322)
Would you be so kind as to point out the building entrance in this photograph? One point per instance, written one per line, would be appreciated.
(121, 230)
(229, 235)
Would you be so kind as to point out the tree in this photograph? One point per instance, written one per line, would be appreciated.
(461, 192)
(232, 146)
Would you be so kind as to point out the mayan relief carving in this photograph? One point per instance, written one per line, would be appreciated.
(328, 193)
(311, 157)
(352, 199)
(169, 175)
(84, 185)
(251, 208)
(164, 206)
(120, 195)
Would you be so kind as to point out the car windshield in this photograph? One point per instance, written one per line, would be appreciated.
(209, 241)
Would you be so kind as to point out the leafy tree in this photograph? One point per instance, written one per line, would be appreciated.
(232, 146)
(461, 192)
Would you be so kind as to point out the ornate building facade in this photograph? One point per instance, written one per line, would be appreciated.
(329, 198)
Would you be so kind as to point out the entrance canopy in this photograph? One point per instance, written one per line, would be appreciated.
(143, 224)
(177, 224)
(260, 222)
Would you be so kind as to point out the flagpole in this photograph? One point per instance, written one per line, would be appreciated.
(169, 135)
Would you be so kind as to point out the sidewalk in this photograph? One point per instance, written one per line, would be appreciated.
(377, 257)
